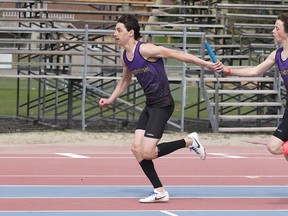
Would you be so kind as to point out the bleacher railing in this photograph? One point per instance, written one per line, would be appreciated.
(38, 61)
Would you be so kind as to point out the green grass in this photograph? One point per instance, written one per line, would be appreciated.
(8, 94)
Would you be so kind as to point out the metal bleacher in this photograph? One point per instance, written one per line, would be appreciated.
(247, 104)
(65, 50)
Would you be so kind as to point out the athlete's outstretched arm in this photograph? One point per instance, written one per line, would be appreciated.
(253, 71)
(152, 51)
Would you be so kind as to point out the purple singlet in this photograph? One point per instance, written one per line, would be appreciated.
(152, 78)
(283, 68)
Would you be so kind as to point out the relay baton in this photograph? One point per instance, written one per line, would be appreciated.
(211, 53)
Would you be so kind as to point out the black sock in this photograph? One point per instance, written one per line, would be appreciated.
(167, 148)
(149, 170)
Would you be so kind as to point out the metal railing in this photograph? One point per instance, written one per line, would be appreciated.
(85, 76)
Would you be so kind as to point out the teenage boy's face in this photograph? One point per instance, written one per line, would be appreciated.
(279, 33)
(121, 34)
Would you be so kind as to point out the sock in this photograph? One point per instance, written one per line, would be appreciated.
(167, 148)
(285, 147)
(149, 170)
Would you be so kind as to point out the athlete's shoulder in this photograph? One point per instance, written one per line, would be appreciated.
(149, 50)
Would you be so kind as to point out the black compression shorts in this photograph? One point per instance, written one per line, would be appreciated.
(282, 131)
(154, 120)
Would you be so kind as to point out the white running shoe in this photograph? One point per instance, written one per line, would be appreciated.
(156, 196)
(196, 145)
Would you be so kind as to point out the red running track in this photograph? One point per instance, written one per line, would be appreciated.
(115, 166)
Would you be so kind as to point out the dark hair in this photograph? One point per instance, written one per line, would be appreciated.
(284, 18)
(131, 22)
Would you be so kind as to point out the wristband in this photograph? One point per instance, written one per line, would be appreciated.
(228, 71)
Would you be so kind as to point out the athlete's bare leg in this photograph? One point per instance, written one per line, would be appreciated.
(275, 145)
(146, 148)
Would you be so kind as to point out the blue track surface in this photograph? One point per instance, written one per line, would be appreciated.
(138, 191)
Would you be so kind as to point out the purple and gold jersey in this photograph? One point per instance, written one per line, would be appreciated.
(283, 68)
(152, 78)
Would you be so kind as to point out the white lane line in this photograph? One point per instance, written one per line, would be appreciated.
(253, 177)
(141, 176)
(226, 155)
(169, 213)
(72, 155)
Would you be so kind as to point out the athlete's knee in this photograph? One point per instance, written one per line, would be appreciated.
(135, 148)
(270, 149)
(149, 154)
(137, 151)
(274, 149)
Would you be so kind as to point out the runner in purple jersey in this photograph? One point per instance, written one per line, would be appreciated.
(144, 61)
(282, 67)
(151, 77)
(278, 143)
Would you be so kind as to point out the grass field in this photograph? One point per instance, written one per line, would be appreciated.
(8, 94)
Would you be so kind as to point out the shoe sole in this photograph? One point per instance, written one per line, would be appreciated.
(162, 199)
(156, 201)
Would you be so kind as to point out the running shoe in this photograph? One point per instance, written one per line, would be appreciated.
(155, 197)
(196, 145)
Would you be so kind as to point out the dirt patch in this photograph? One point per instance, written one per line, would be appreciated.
(18, 132)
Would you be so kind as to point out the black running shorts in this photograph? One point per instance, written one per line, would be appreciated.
(154, 120)
(282, 131)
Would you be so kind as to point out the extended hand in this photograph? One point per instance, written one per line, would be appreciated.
(218, 67)
(104, 102)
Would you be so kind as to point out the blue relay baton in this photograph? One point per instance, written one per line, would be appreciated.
(211, 53)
